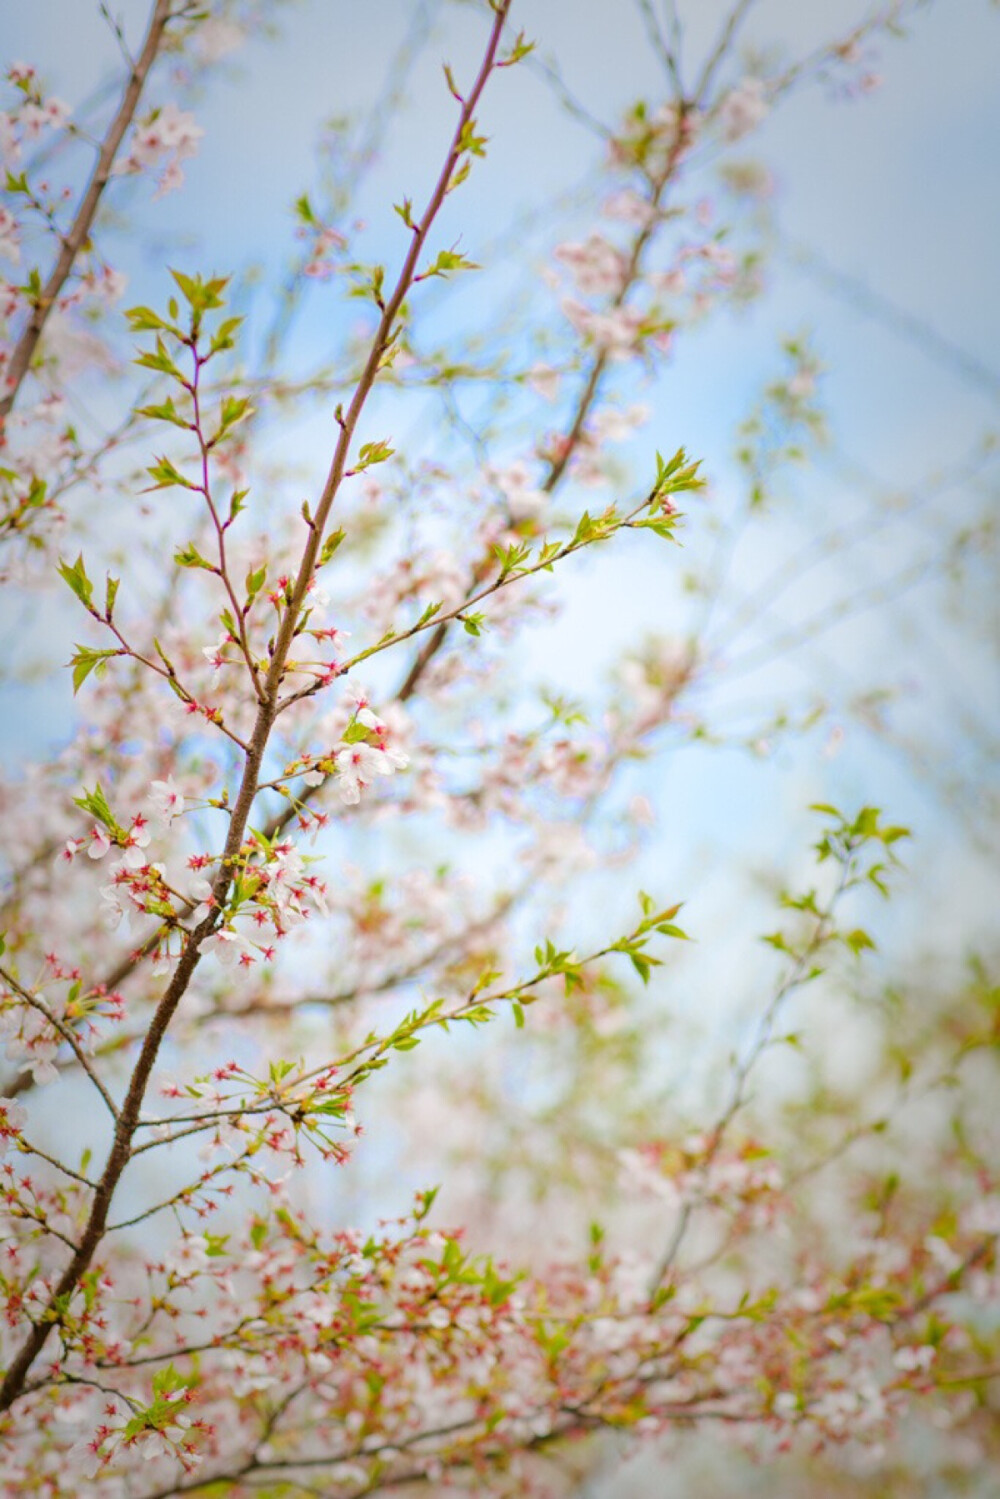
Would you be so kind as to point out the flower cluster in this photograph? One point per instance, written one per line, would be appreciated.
(164, 138)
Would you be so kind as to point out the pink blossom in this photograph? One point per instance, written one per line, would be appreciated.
(13, 1117)
(99, 844)
(544, 381)
(357, 765)
(165, 800)
(743, 109)
(167, 132)
(596, 265)
(217, 36)
(525, 500)
(228, 946)
(628, 206)
(10, 248)
(909, 1360)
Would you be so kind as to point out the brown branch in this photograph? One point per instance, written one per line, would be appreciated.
(128, 1118)
(79, 231)
(68, 1034)
(591, 386)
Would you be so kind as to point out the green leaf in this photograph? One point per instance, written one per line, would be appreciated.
(234, 409)
(165, 412)
(641, 964)
(330, 545)
(189, 556)
(144, 320)
(459, 175)
(168, 1381)
(471, 143)
(452, 85)
(160, 361)
(236, 503)
(428, 614)
(110, 594)
(372, 452)
(76, 577)
(166, 475)
(446, 262)
(520, 49)
(84, 662)
(201, 295)
(222, 338)
(96, 803)
(667, 929)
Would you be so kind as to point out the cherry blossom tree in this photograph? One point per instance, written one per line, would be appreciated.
(319, 902)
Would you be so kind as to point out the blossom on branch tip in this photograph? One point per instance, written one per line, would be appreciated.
(743, 109)
(13, 1117)
(357, 765)
(165, 132)
(165, 800)
(229, 947)
(525, 500)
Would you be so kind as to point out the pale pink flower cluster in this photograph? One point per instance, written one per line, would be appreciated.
(13, 1118)
(597, 267)
(619, 332)
(165, 801)
(285, 895)
(525, 501)
(544, 380)
(589, 463)
(327, 242)
(32, 114)
(386, 928)
(653, 681)
(359, 762)
(29, 1039)
(217, 36)
(651, 136)
(692, 1173)
(436, 577)
(10, 245)
(629, 207)
(70, 346)
(165, 138)
(743, 109)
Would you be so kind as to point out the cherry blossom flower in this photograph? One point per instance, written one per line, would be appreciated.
(165, 800)
(525, 501)
(13, 1117)
(166, 132)
(544, 380)
(229, 947)
(357, 766)
(10, 247)
(99, 844)
(743, 109)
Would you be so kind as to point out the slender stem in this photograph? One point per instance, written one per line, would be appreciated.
(64, 1030)
(797, 976)
(128, 1118)
(79, 232)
